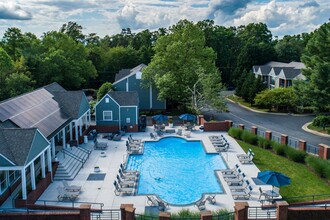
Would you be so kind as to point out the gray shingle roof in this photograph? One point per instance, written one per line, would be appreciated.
(54, 87)
(15, 144)
(290, 72)
(126, 72)
(125, 98)
(265, 70)
(70, 100)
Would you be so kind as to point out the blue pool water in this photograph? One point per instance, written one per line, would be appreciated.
(176, 170)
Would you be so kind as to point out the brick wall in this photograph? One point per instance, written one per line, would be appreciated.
(216, 126)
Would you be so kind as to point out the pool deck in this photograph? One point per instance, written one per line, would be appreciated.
(102, 191)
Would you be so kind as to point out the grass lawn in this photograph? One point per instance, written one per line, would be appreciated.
(303, 181)
(318, 129)
(242, 102)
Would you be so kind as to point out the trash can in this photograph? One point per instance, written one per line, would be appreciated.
(85, 139)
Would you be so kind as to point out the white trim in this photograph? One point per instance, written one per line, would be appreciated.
(33, 176)
(102, 99)
(106, 111)
(150, 99)
(137, 115)
(7, 160)
(23, 183)
(131, 74)
(127, 87)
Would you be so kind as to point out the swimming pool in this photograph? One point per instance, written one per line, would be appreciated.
(177, 170)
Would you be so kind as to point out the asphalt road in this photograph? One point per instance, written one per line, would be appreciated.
(290, 125)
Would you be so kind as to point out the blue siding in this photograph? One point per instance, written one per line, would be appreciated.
(38, 145)
(111, 106)
(128, 112)
(156, 103)
(84, 105)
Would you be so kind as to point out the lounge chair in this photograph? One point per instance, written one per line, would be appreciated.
(211, 199)
(222, 148)
(152, 201)
(242, 187)
(200, 204)
(179, 132)
(134, 141)
(132, 177)
(216, 137)
(247, 160)
(129, 172)
(119, 190)
(235, 174)
(65, 195)
(242, 194)
(116, 137)
(228, 171)
(125, 183)
(247, 155)
(100, 145)
(187, 134)
(153, 136)
(70, 188)
(236, 181)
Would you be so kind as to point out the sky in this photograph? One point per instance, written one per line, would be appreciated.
(109, 17)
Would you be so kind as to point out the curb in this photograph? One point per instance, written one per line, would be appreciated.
(305, 128)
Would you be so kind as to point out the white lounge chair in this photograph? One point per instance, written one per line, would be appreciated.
(66, 195)
(153, 136)
(200, 204)
(100, 145)
(247, 155)
(134, 141)
(70, 188)
(248, 160)
(152, 201)
(124, 176)
(242, 194)
(129, 172)
(119, 190)
(232, 170)
(125, 183)
(179, 132)
(222, 148)
(235, 174)
(211, 199)
(242, 187)
(236, 181)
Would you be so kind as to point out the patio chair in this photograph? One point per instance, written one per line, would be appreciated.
(100, 145)
(179, 132)
(216, 137)
(211, 198)
(187, 134)
(125, 183)
(236, 181)
(116, 137)
(119, 190)
(242, 187)
(242, 194)
(222, 148)
(235, 174)
(152, 201)
(264, 194)
(153, 136)
(133, 149)
(130, 172)
(228, 171)
(134, 141)
(200, 204)
(65, 195)
(132, 177)
(247, 155)
(247, 160)
(70, 188)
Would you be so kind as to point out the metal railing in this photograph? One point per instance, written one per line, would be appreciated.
(30, 211)
(106, 214)
(261, 213)
(71, 204)
(312, 149)
(313, 199)
(86, 151)
(146, 217)
(81, 160)
(224, 216)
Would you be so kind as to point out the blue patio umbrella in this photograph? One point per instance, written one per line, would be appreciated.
(187, 117)
(160, 117)
(274, 178)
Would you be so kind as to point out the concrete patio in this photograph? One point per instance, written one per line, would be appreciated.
(102, 190)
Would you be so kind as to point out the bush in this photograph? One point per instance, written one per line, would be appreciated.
(295, 155)
(320, 166)
(264, 143)
(186, 213)
(321, 121)
(235, 133)
(279, 148)
(249, 138)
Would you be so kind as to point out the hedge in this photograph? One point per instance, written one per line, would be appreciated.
(235, 133)
(295, 155)
(264, 143)
(320, 166)
(249, 138)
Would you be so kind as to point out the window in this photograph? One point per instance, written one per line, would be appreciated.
(107, 115)
(3, 181)
(107, 100)
(128, 120)
(13, 176)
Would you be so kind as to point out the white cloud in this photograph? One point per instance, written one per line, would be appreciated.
(12, 11)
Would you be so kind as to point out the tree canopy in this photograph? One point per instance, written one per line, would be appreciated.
(183, 68)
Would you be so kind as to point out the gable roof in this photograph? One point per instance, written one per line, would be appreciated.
(125, 98)
(17, 146)
(125, 73)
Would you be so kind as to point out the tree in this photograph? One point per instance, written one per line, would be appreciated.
(276, 98)
(6, 67)
(183, 68)
(104, 89)
(290, 48)
(317, 60)
(73, 30)
(12, 41)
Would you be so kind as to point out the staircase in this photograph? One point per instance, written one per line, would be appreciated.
(70, 162)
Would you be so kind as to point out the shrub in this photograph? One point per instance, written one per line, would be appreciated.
(264, 143)
(249, 138)
(235, 133)
(321, 121)
(186, 213)
(295, 155)
(279, 148)
(320, 166)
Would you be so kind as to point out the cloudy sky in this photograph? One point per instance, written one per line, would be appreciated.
(108, 17)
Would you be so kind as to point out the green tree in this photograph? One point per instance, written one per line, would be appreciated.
(316, 57)
(12, 41)
(183, 68)
(73, 30)
(6, 67)
(279, 98)
(290, 48)
(104, 89)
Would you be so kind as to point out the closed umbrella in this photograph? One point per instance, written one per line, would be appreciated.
(187, 117)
